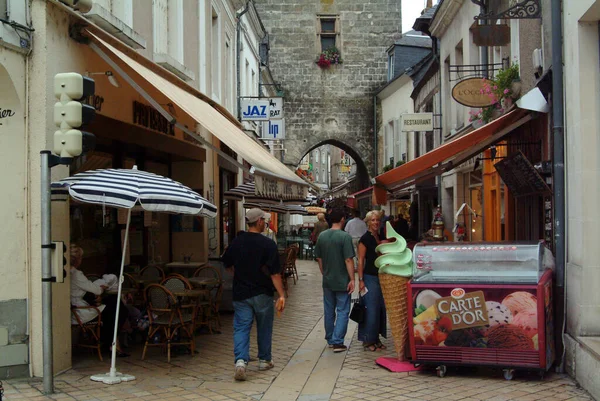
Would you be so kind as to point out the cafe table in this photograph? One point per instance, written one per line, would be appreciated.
(124, 291)
(187, 269)
(203, 282)
(188, 293)
(144, 281)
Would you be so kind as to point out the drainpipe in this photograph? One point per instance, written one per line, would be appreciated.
(485, 55)
(239, 42)
(558, 175)
(374, 136)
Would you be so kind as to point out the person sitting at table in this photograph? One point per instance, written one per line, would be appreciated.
(80, 285)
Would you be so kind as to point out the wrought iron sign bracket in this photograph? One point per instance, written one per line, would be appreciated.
(525, 9)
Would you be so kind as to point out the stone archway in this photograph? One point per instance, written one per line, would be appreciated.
(362, 172)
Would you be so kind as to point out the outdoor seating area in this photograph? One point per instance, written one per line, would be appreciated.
(166, 310)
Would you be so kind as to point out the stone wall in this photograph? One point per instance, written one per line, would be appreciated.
(332, 105)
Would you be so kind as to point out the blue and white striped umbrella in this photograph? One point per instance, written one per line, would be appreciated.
(124, 188)
(127, 189)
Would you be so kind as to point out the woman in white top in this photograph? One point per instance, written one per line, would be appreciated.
(80, 285)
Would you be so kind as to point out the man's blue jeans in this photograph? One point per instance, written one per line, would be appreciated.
(261, 308)
(337, 309)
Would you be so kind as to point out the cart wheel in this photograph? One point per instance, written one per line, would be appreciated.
(509, 374)
(441, 371)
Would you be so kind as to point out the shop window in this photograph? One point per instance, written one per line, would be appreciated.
(328, 31)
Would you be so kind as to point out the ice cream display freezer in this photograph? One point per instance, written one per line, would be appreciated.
(487, 304)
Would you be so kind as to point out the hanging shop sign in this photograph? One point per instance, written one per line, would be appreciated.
(470, 92)
(273, 129)
(275, 108)
(520, 176)
(417, 122)
(490, 35)
(255, 109)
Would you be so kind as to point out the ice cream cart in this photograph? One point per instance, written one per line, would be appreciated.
(485, 304)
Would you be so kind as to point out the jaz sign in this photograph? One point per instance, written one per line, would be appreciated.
(463, 309)
(255, 110)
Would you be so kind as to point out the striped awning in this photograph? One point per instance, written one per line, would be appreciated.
(247, 193)
(127, 188)
(277, 208)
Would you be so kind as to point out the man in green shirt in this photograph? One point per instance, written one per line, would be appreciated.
(334, 252)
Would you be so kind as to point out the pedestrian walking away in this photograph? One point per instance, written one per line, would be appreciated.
(356, 227)
(256, 271)
(334, 253)
(374, 323)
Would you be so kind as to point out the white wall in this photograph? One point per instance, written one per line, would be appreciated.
(13, 206)
(395, 101)
(456, 115)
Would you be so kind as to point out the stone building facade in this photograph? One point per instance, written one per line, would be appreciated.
(330, 105)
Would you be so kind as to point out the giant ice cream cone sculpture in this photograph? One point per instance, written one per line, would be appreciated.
(395, 269)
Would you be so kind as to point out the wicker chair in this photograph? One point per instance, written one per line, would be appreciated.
(209, 313)
(176, 282)
(290, 262)
(130, 282)
(168, 316)
(153, 272)
(90, 331)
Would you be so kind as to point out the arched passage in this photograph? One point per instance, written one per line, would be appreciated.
(362, 179)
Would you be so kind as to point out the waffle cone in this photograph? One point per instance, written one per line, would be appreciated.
(394, 289)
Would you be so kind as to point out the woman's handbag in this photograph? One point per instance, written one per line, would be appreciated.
(358, 311)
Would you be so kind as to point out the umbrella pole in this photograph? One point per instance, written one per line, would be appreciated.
(114, 377)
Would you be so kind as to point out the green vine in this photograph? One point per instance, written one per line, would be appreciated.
(500, 91)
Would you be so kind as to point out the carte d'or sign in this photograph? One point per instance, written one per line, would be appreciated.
(469, 92)
(463, 309)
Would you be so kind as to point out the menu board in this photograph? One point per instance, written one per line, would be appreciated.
(520, 176)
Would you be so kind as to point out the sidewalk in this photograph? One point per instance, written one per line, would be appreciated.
(305, 369)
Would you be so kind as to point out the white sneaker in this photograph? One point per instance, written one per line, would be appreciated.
(240, 370)
(265, 365)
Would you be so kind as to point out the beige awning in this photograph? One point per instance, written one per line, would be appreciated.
(269, 171)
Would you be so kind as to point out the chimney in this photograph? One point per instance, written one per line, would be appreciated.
(429, 3)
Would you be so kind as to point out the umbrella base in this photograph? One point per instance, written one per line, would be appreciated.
(116, 378)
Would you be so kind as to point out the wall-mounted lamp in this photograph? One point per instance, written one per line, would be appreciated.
(111, 77)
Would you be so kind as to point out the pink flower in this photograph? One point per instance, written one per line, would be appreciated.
(495, 87)
(506, 91)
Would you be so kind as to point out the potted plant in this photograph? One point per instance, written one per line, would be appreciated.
(329, 57)
(503, 91)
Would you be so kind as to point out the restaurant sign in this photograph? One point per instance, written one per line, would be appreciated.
(470, 92)
(273, 188)
(463, 309)
(417, 122)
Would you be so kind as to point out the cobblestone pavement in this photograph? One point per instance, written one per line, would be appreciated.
(305, 369)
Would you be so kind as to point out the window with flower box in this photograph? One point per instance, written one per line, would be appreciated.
(328, 40)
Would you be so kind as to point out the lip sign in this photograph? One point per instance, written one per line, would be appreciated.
(457, 293)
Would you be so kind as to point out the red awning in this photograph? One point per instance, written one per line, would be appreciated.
(352, 198)
(448, 156)
(362, 191)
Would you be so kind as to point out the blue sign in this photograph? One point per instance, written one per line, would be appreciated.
(255, 110)
(273, 129)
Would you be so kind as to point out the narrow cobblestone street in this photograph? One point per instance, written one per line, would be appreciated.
(305, 369)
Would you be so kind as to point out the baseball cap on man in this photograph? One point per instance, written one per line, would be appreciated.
(253, 215)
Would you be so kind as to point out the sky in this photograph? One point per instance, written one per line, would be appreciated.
(411, 9)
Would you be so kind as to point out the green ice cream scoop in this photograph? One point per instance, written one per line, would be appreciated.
(396, 258)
